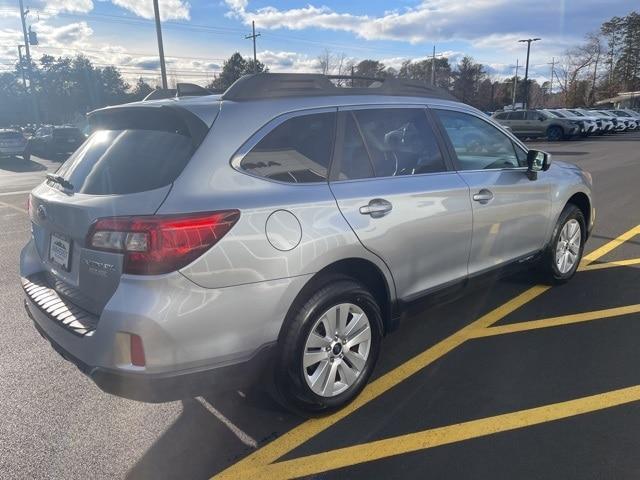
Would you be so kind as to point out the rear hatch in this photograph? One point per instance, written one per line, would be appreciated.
(126, 167)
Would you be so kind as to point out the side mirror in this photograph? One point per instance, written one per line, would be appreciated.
(537, 161)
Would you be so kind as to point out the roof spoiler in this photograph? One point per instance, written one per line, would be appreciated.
(169, 118)
(275, 85)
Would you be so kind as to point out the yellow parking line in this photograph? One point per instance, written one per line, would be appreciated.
(555, 321)
(607, 247)
(309, 429)
(8, 205)
(412, 442)
(295, 437)
(617, 263)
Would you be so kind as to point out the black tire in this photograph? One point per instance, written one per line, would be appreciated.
(555, 133)
(291, 388)
(549, 268)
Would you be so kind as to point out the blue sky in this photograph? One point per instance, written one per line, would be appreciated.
(199, 35)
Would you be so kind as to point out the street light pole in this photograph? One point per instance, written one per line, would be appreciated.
(526, 71)
(34, 102)
(163, 67)
(515, 85)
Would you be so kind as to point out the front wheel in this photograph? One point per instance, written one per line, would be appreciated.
(329, 348)
(564, 253)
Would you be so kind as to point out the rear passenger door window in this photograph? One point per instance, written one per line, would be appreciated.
(298, 150)
(387, 142)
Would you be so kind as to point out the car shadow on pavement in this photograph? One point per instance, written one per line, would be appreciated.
(54, 157)
(199, 444)
(19, 165)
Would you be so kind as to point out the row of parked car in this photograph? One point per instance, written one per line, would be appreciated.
(564, 123)
(45, 140)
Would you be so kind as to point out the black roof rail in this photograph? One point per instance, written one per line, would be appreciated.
(276, 85)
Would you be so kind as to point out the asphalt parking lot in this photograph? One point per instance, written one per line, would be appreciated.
(512, 380)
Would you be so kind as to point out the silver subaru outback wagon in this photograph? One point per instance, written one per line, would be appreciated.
(279, 231)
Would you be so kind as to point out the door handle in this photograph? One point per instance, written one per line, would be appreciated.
(484, 196)
(378, 207)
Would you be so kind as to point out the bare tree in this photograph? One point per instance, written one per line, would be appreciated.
(326, 62)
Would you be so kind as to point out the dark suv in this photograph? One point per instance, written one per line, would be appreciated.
(53, 140)
(537, 123)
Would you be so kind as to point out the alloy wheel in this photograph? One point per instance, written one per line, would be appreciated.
(336, 350)
(568, 246)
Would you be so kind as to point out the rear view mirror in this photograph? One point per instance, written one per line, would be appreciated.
(537, 161)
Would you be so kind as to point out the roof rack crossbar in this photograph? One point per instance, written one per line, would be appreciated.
(276, 85)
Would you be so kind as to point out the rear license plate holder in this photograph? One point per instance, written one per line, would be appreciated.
(60, 251)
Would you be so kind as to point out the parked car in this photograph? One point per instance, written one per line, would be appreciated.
(605, 123)
(588, 126)
(13, 143)
(619, 124)
(54, 140)
(631, 118)
(537, 123)
(277, 233)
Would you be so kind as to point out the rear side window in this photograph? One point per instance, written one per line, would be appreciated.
(501, 116)
(516, 116)
(296, 151)
(127, 161)
(389, 142)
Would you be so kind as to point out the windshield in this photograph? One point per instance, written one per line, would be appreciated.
(555, 113)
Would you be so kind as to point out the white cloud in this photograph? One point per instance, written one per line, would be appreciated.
(431, 19)
(169, 9)
(71, 6)
(70, 35)
(288, 62)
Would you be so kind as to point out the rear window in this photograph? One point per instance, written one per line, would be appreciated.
(127, 161)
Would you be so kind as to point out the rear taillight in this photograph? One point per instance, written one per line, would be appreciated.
(160, 243)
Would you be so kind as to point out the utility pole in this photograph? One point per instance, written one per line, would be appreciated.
(595, 76)
(163, 67)
(526, 71)
(553, 66)
(24, 80)
(433, 67)
(34, 101)
(253, 36)
(515, 86)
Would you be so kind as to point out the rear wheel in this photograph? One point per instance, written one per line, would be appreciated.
(329, 348)
(564, 253)
(554, 133)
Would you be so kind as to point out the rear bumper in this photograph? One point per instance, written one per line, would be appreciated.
(194, 338)
(169, 386)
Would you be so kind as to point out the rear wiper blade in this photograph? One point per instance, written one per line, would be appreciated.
(59, 180)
